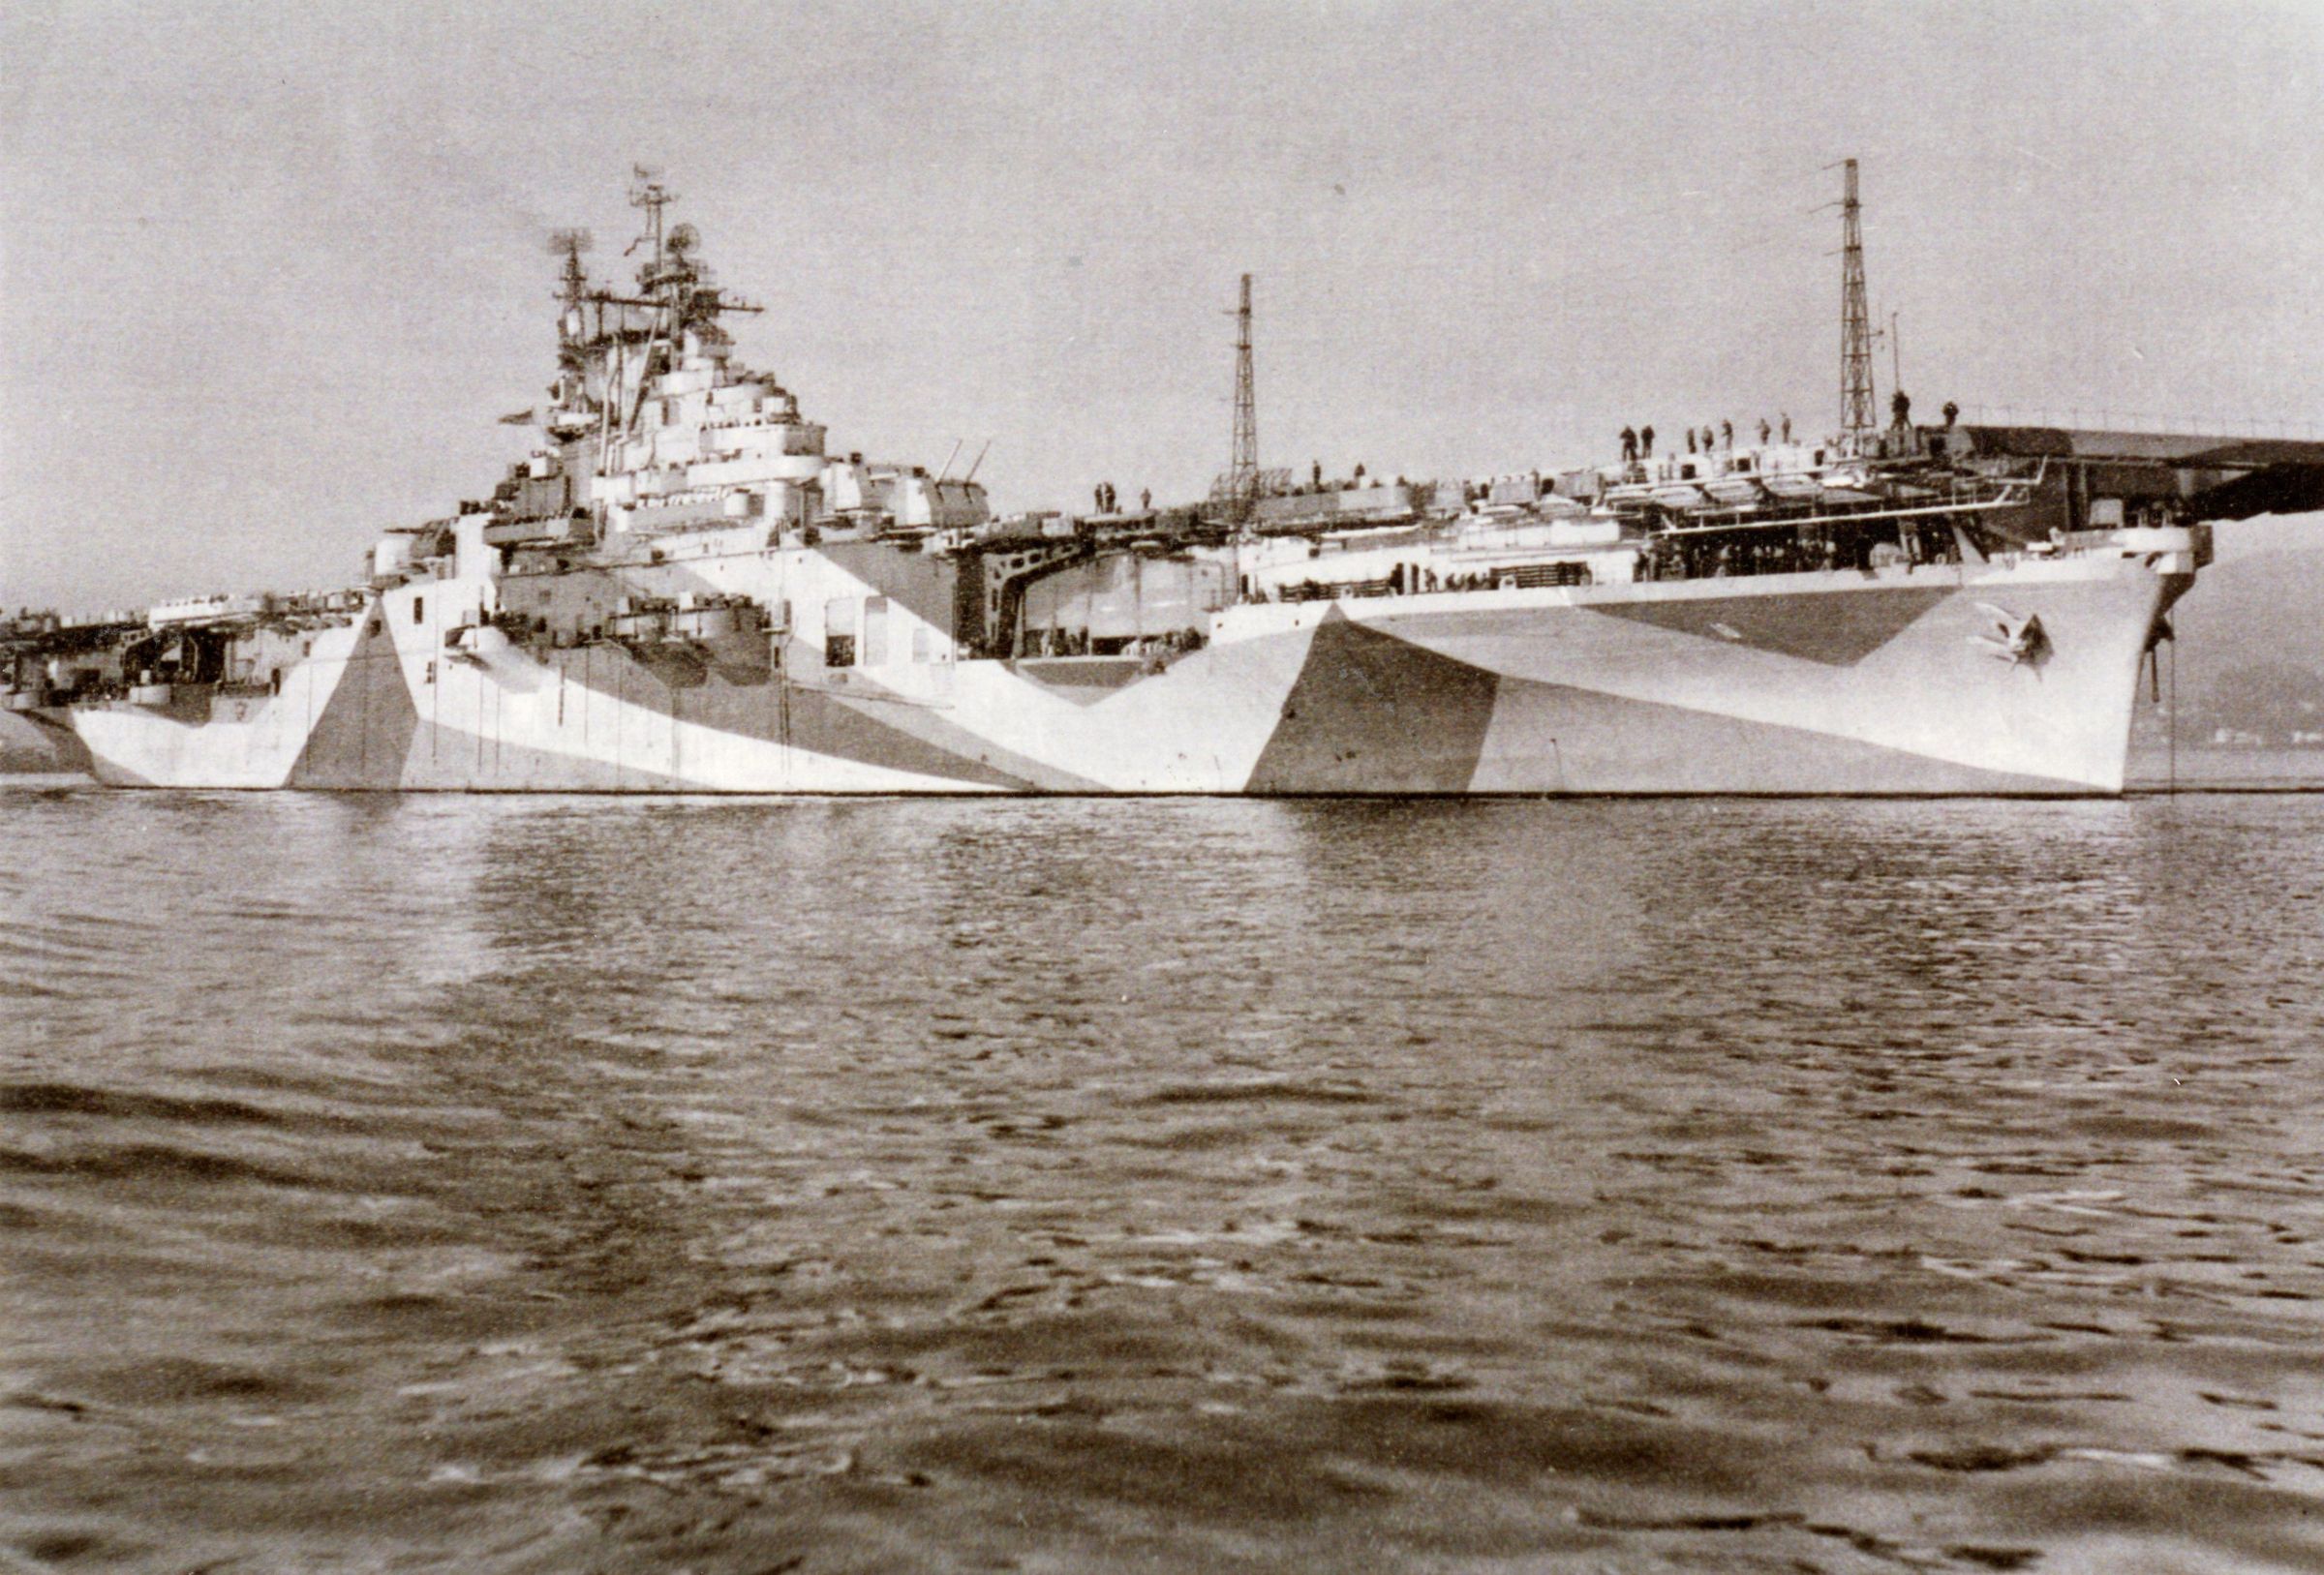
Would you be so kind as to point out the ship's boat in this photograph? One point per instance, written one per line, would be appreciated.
(685, 587)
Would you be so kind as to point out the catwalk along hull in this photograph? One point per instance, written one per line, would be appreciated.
(1877, 681)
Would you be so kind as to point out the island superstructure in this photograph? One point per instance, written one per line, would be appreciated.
(684, 588)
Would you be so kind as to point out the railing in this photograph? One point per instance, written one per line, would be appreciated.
(1982, 497)
(1334, 589)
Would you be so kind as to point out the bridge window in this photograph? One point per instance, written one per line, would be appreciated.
(420, 607)
(839, 632)
(875, 631)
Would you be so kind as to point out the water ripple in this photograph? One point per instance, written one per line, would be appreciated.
(539, 1184)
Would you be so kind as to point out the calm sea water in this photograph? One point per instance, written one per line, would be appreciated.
(547, 1185)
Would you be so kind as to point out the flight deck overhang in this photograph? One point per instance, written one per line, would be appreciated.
(2098, 476)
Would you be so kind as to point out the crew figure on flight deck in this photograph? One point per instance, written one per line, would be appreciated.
(1315, 471)
(1952, 412)
(1630, 446)
(1763, 430)
(1900, 406)
(1647, 442)
(1710, 441)
(1690, 439)
(1727, 434)
(1097, 498)
(1145, 499)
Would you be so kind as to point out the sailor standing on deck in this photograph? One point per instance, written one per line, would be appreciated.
(1647, 442)
(1630, 446)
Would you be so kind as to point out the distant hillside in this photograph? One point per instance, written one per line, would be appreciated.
(2251, 651)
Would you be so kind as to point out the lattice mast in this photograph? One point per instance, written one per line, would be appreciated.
(572, 358)
(572, 284)
(1242, 470)
(1856, 317)
(648, 193)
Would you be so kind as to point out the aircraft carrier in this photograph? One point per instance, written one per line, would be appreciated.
(684, 588)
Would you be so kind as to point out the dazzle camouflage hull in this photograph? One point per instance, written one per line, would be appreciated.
(1847, 682)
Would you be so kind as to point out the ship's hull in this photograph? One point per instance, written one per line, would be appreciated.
(1886, 682)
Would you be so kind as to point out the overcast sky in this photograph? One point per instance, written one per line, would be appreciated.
(270, 272)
